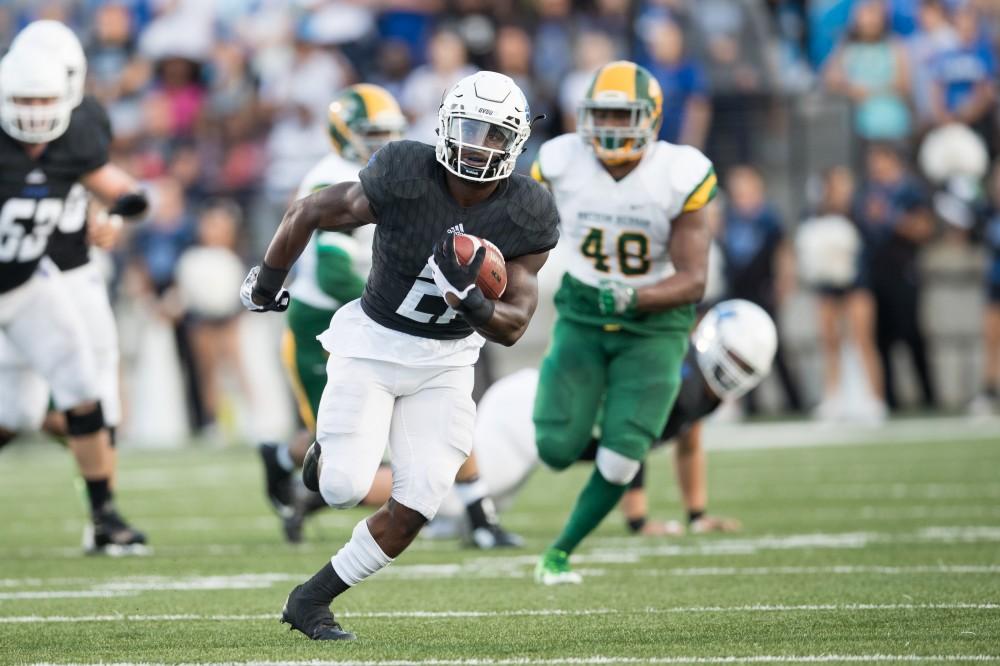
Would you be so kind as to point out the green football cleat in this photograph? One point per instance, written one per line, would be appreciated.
(553, 569)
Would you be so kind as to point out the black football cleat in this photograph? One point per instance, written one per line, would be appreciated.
(109, 534)
(310, 467)
(277, 480)
(494, 536)
(313, 618)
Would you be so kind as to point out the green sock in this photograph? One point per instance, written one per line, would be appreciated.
(596, 501)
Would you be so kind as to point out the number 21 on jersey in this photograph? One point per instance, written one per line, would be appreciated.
(631, 250)
(16, 243)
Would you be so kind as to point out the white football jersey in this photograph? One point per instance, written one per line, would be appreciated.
(331, 170)
(619, 230)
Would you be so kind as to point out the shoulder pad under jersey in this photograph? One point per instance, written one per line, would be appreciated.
(557, 156)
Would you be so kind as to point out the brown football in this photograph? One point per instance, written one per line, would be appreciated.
(493, 273)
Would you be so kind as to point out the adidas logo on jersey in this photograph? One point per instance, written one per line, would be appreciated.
(35, 177)
(457, 229)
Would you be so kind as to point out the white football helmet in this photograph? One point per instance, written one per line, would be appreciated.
(483, 124)
(58, 41)
(34, 99)
(735, 345)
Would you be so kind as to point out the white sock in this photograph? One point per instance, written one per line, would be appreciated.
(471, 492)
(360, 557)
(284, 458)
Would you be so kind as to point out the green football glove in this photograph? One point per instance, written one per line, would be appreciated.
(615, 298)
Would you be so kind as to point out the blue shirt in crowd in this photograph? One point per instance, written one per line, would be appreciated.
(991, 237)
(160, 248)
(750, 233)
(680, 83)
(961, 69)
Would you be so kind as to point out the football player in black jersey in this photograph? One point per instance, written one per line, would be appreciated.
(80, 226)
(731, 352)
(401, 357)
(45, 149)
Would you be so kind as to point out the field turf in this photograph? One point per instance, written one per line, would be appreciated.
(857, 553)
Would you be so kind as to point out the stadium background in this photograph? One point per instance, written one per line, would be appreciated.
(219, 107)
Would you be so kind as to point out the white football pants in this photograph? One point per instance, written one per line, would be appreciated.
(48, 341)
(425, 414)
(89, 295)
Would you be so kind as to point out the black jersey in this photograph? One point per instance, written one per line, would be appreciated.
(33, 194)
(695, 400)
(408, 194)
(68, 246)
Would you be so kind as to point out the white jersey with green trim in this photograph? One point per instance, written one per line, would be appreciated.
(619, 230)
(331, 170)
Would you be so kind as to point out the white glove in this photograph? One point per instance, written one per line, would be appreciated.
(614, 298)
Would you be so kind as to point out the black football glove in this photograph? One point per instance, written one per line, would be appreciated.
(450, 276)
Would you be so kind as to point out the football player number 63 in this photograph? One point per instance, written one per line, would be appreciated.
(16, 245)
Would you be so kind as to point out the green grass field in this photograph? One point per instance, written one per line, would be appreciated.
(881, 552)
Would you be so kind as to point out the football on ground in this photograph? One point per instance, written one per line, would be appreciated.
(493, 273)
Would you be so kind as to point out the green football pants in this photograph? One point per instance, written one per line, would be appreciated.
(305, 359)
(635, 378)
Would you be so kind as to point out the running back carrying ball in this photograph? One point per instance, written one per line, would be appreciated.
(492, 278)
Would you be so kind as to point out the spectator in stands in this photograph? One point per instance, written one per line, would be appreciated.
(554, 42)
(512, 57)
(935, 34)
(757, 261)
(447, 63)
(593, 50)
(964, 87)
(735, 42)
(893, 213)
(157, 246)
(686, 105)
(871, 69)
(988, 399)
(828, 249)
(209, 275)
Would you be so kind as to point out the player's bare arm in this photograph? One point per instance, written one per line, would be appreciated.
(512, 313)
(117, 190)
(336, 208)
(688, 248)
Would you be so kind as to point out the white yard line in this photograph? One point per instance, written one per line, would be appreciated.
(63, 594)
(609, 659)
(842, 569)
(28, 588)
(807, 434)
(526, 612)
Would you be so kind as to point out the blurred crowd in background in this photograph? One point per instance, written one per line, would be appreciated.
(849, 136)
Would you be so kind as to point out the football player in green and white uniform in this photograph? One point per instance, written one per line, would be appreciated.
(631, 218)
(330, 273)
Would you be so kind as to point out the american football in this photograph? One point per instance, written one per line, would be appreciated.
(493, 273)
